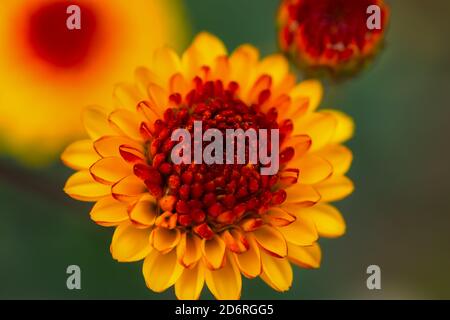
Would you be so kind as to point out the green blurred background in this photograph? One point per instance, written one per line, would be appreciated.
(398, 217)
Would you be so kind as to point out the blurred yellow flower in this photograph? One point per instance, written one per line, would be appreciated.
(195, 224)
(48, 72)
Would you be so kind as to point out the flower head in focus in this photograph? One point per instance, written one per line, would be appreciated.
(330, 36)
(195, 224)
(48, 72)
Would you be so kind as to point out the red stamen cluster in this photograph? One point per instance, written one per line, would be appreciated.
(210, 197)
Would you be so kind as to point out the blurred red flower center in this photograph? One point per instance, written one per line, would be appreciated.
(330, 26)
(51, 40)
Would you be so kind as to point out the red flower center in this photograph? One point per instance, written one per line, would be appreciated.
(331, 29)
(211, 197)
(51, 39)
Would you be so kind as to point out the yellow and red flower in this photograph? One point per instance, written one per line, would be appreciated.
(47, 72)
(330, 36)
(196, 224)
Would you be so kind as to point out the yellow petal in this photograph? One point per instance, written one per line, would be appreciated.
(209, 46)
(164, 240)
(328, 219)
(221, 69)
(130, 243)
(264, 82)
(128, 189)
(166, 63)
(305, 257)
(270, 239)
(127, 96)
(213, 251)
(226, 282)
(319, 126)
(344, 126)
(188, 249)
(159, 98)
(302, 194)
(96, 123)
(274, 65)
(109, 212)
(110, 146)
(245, 53)
(143, 78)
(301, 232)
(313, 169)
(161, 270)
(178, 84)
(300, 143)
(284, 85)
(242, 64)
(191, 62)
(288, 177)
(281, 103)
(83, 187)
(80, 155)
(190, 284)
(310, 89)
(335, 188)
(250, 223)
(249, 262)
(203, 52)
(150, 111)
(144, 212)
(339, 156)
(127, 122)
(278, 217)
(110, 170)
(235, 240)
(277, 272)
(298, 108)
(292, 208)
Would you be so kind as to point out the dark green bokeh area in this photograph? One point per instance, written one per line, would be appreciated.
(397, 218)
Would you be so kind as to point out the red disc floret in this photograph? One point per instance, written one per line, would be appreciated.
(204, 197)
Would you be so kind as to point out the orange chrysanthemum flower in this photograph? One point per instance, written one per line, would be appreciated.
(195, 223)
(330, 36)
(48, 72)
